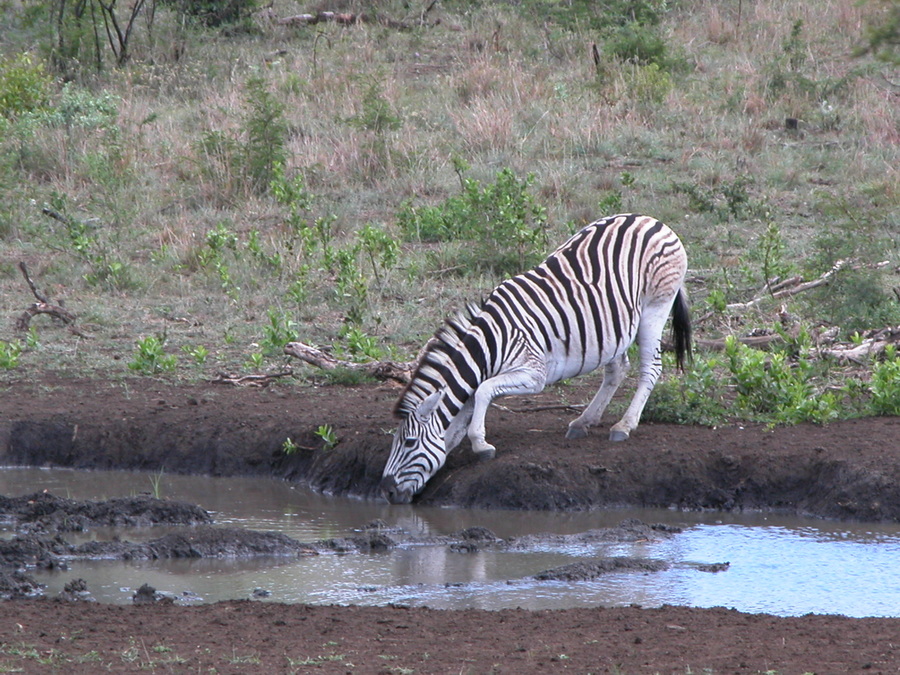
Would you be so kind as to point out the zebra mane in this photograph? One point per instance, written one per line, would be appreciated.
(434, 358)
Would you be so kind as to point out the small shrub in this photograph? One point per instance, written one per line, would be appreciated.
(855, 300)
(358, 345)
(199, 353)
(277, 333)
(376, 113)
(215, 13)
(351, 285)
(80, 108)
(289, 447)
(883, 34)
(150, 358)
(693, 397)
(264, 149)
(885, 384)
(292, 193)
(503, 221)
(649, 84)
(777, 388)
(380, 248)
(327, 434)
(255, 361)
(726, 200)
(638, 44)
(25, 86)
(9, 354)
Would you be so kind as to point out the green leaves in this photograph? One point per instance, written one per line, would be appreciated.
(150, 358)
(503, 222)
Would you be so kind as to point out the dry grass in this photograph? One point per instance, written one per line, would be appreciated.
(495, 89)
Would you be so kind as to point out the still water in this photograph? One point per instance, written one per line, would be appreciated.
(779, 565)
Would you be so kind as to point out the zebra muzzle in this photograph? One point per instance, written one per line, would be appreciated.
(392, 492)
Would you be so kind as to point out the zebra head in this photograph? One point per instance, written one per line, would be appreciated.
(418, 451)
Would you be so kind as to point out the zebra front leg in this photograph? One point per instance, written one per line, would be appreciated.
(526, 379)
(614, 373)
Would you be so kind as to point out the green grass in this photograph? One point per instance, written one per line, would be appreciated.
(227, 190)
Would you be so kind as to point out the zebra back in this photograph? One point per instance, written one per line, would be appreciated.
(581, 305)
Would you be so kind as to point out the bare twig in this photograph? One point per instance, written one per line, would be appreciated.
(251, 380)
(569, 407)
(24, 269)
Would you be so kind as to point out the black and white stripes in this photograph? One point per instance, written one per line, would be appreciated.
(611, 284)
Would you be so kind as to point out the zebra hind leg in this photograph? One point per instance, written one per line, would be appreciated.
(614, 373)
(648, 339)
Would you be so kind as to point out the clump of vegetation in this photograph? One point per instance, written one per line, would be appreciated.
(502, 224)
(25, 85)
(150, 357)
(9, 354)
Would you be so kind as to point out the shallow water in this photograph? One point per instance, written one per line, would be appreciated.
(779, 565)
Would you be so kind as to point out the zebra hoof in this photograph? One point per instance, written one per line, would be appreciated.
(576, 433)
(617, 435)
(486, 453)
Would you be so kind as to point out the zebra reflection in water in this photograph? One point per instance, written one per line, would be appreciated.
(613, 283)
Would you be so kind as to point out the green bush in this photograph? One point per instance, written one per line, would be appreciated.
(885, 384)
(638, 44)
(24, 86)
(502, 220)
(777, 388)
(9, 354)
(599, 15)
(264, 149)
(695, 396)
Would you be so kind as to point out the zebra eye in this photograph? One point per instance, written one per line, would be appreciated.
(410, 442)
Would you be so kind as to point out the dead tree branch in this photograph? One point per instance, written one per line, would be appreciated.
(790, 287)
(352, 18)
(873, 345)
(381, 370)
(44, 306)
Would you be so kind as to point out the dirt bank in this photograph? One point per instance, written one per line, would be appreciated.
(846, 470)
(843, 470)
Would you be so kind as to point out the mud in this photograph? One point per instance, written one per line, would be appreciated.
(846, 470)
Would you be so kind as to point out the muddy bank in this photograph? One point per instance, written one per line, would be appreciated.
(845, 470)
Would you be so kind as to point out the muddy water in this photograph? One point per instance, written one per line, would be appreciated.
(778, 565)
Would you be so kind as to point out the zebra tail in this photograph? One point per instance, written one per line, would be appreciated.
(681, 329)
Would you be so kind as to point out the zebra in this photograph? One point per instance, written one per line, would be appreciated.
(613, 282)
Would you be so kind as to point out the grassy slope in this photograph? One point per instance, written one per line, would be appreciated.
(700, 143)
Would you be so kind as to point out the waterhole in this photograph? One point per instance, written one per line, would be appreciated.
(777, 564)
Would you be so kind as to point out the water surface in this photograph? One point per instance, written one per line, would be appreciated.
(779, 565)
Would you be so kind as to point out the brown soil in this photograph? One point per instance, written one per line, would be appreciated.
(847, 470)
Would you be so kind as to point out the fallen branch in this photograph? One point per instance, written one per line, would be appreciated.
(251, 380)
(381, 370)
(352, 18)
(790, 287)
(754, 341)
(874, 345)
(44, 306)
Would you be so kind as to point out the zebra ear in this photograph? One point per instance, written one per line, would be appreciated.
(426, 408)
